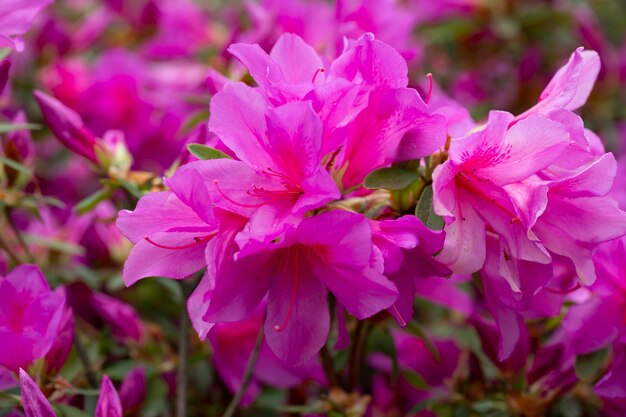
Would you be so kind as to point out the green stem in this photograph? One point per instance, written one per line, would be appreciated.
(247, 376)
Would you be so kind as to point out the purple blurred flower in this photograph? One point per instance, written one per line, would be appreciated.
(5, 65)
(30, 316)
(133, 389)
(121, 317)
(16, 17)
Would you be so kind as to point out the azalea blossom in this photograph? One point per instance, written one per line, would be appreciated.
(30, 316)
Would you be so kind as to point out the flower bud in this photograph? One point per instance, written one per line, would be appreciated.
(34, 402)
(133, 389)
(67, 126)
(109, 404)
(122, 318)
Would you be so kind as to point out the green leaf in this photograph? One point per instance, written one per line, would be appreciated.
(15, 165)
(155, 403)
(416, 380)
(205, 152)
(64, 410)
(392, 178)
(588, 365)
(130, 187)
(89, 203)
(54, 244)
(10, 127)
(425, 212)
(9, 400)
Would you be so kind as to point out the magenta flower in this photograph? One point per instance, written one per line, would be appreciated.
(109, 404)
(121, 317)
(170, 231)
(476, 190)
(580, 214)
(369, 118)
(279, 176)
(600, 320)
(34, 402)
(16, 17)
(331, 251)
(30, 315)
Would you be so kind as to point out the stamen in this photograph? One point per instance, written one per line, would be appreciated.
(430, 86)
(197, 241)
(563, 292)
(321, 69)
(294, 294)
(399, 316)
(219, 190)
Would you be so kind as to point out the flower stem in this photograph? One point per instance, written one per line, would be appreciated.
(329, 367)
(247, 376)
(84, 358)
(357, 352)
(20, 238)
(181, 373)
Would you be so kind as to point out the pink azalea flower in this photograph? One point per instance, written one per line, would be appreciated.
(279, 176)
(579, 215)
(369, 118)
(475, 190)
(600, 320)
(331, 251)
(30, 315)
(16, 17)
(170, 231)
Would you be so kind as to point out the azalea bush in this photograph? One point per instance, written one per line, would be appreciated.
(357, 208)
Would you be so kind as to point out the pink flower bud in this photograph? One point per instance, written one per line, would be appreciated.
(109, 404)
(67, 126)
(133, 389)
(34, 402)
(122, 318)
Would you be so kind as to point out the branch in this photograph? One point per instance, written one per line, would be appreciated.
(84, 358)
